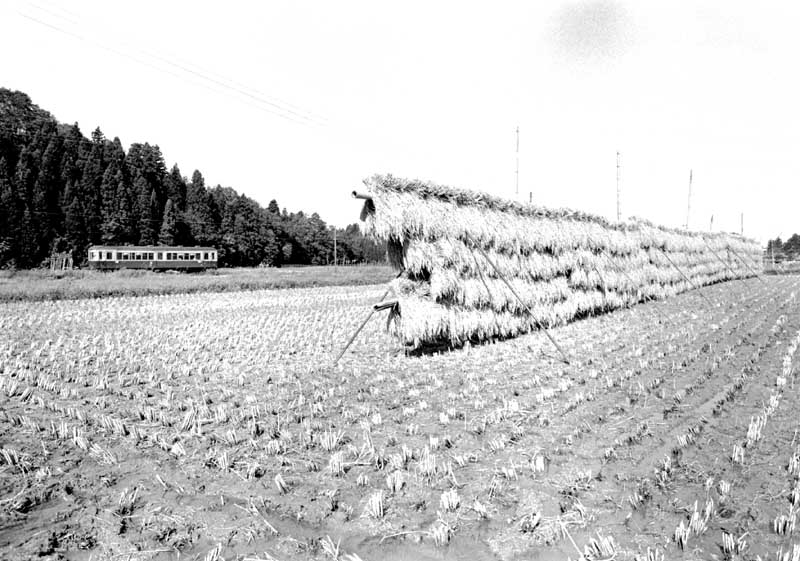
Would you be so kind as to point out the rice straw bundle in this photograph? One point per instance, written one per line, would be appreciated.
(561, 263)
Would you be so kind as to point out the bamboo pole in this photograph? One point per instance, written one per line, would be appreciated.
(383, 305)
(647, 297)
(602, 280)
(685, 277)
(363, 323)
(514, 292)
(480, 273)
(746, 265)
(721, 260)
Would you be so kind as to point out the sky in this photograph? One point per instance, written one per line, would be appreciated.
(299, 101)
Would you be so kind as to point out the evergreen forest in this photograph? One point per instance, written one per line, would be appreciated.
(62, 192)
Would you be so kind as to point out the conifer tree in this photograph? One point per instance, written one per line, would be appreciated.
(147, 219)
(9, 217)
(169, 226)
(74, 223)
(91, 181)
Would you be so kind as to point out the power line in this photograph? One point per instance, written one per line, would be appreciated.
(280, 109)
(310, 115)
(269, 105)
(191, 73)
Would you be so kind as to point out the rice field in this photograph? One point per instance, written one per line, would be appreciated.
(213, 426)
(86, 283)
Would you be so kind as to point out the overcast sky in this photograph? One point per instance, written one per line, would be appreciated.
(299, 101)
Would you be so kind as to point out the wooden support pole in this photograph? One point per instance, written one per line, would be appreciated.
(514, 292)
(746, 265)
(357, 195)
(602, 280)
(363, 323)
(480, 273)
(710, 303)
(647, 297)
(721, 260)
(384, 305)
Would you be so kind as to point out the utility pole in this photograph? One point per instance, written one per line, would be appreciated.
(618, 213)
(335, 260)
(711, 226)
(689, 201)
(516, 190)
(741, 224)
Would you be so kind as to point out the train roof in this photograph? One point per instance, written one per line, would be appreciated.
(175, 248)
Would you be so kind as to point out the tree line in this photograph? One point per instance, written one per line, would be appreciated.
(62, 192)
(788, 250)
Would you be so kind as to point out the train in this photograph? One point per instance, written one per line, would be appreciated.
(152, 257)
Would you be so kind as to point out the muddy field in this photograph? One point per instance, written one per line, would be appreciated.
(211, 426)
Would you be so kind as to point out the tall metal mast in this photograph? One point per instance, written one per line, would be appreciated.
(689, 201)
(516, 190)
(618, 211)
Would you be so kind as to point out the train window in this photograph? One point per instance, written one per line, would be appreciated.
(205, 256)
(186, 256)
(124, 256)
(160, 255)
(109, 255)
(91, 255)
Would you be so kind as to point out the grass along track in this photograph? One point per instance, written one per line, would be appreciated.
(228, 433)
(41, 285)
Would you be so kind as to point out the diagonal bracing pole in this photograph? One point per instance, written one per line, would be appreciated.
(514, 292)
(721, 260)
(363, 323)
(746, 265)
(710, 303)
(647, 297)
(480, 273)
